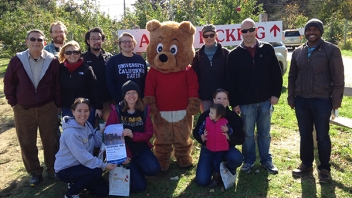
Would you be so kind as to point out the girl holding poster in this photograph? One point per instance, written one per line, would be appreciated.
(75, 163)
(138, 130)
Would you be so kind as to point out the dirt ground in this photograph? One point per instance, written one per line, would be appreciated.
(10, 154)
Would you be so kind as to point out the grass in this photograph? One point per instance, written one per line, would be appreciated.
(3, 64)
(258, 183)
(346, 53)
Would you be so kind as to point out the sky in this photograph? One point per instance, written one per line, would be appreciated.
(113, 7)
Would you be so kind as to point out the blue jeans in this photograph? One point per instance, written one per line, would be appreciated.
(83, 177)
(257, 114)
(205, 167)
(309, 112)
(143, 164)
(68, 112)
(218, 156)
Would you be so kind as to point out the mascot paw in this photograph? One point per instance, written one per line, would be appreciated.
(150, 100)
(193, 106)
(185, 161)
(164, 163)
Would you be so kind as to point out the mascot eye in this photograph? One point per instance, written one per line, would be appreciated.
(173, 49)
(159, 48)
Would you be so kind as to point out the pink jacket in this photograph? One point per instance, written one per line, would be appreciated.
(216, 140)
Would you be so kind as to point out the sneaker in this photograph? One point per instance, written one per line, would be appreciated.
(69, 185)
(270, 167)
(247, 167)
(35, 180)
(53, 176)
(68, 195)
(302, 170)
(324, 176)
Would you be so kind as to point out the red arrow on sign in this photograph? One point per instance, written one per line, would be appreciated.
(275, 28)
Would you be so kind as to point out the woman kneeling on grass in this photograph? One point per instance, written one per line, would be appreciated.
(206, 174)
(75, 163)
(138, 130)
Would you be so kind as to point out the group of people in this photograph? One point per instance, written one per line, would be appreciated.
(237, 89)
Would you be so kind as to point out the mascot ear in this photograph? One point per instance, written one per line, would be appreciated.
(188, 27)
(153, 25)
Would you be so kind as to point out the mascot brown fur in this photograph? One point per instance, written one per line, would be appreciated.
(172, 90)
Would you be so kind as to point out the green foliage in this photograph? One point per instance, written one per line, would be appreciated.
(346, 53)
(32, 15)
(199, 12)
(3, 64)
(300, 21)
(347, 46)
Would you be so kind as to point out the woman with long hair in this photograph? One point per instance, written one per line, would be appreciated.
(75, 163)
(138, 130)
(205, 174)
(77, 80)
(125, 66)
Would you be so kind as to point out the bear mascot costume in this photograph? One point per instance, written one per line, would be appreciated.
(171, 90)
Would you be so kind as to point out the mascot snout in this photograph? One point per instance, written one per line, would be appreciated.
(163, 58)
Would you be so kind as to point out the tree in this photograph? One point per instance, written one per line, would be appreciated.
(77, 18)
(199, 12)
(292, 17)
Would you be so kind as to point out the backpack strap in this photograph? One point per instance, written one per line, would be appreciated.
(145, 114)
(117, 109)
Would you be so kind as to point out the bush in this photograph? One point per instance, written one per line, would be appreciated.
(347, 46)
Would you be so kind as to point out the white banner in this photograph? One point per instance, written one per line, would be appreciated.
(227, 34)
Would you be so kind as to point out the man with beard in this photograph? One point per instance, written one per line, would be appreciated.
(58, 32)
(97, 58)
(315, 87)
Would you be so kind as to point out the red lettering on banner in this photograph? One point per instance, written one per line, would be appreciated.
(262, 34)
(239, 34)
(230, 34)
(217, 39)
(144, 39)
(201, 37)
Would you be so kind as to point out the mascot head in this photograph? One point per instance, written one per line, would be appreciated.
(170, 47)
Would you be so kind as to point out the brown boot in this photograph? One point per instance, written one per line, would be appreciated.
(216, 180)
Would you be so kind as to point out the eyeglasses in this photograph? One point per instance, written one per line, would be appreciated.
(75, 52)
(131, 93)
(244, 31)
(124, 42)
(58, 32)
(96, 39)
(36, 39)
(209, 35)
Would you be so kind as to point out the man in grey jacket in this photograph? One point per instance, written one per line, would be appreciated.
(315, 88)
(32, 88)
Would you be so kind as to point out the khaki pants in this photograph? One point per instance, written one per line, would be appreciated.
(27, 122)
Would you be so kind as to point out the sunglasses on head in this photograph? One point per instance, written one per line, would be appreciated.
(82, 99)
(220, 90)
(35, 39)
(75, 52)
(209, 35)
(248, 30)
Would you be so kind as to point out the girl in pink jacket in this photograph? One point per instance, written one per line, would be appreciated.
(211, 131)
